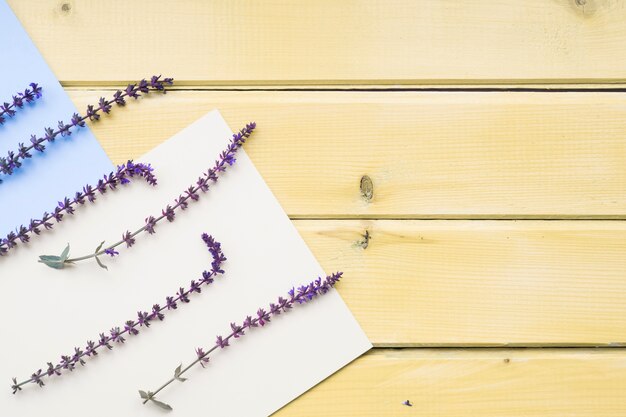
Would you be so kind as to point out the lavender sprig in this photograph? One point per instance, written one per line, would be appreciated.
(14, 159)
(302, 295)
(18, 101)
(130, 327)
(122, 175)
(226, 158)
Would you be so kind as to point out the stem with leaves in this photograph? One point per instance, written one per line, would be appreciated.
(226, 159)
(302, 295)
(116, 334)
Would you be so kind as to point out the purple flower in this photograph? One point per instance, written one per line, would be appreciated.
(206, 278)
(309, 292)
(67, 363)
(201, 356)
(249, 323)
(274, 309)
(143, 318)
(111, 252)
(192, 193)
(128, 239)
(76, 121)
(18, 101)
(168, 213)
(64, 130)
(170, 303)
(78, 356)
(237, 330)
(90, 350)
(156, 313)
(92, 113)
(183, 295)
(52, 370)
(13, 160)
(195, 286)
(116, 334)
(407, 403)
(150, 223)
(222, 343)
(129, 327)
(68, 205)
(105, 106)
(36, 144)
(15, 386)
(104, 341)
(262, 317)
(36, 377)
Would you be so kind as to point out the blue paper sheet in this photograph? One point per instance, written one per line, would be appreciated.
(68, 163)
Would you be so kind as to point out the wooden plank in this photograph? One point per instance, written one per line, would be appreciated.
(373, 41)
(479, 283)
(429, 155)
(481, 382)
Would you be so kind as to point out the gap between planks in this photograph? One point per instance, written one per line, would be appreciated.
(482, 217)
(617, 87)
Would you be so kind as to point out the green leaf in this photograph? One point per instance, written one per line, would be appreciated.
(99, 247)
(161, 404)
(101, 264)
(55, 265)
(177, 372)
(66, 252)
(50, 258)
(143, 395)
(52, 261)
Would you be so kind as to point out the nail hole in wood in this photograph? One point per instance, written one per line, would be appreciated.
(367, 188)
(66, 7)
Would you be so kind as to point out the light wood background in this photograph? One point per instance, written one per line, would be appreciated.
(493, 278)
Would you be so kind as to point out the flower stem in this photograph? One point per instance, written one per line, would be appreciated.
(227, 158)
(122, 175)
(188, 367)
(102, 251)
(144, 319)
(303, 295)
(14, 159)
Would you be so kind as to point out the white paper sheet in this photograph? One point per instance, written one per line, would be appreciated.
(45, 313)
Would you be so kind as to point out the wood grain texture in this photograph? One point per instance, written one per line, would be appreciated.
(429, 155)
(391, 42)
(479, 382)
(479, 283)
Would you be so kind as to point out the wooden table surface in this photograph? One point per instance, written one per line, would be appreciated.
(480, 145)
